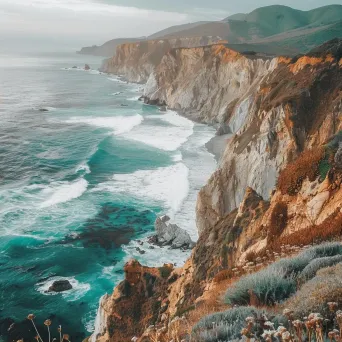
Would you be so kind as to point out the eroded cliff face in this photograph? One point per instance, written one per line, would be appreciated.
(136, 61)
(279, 181)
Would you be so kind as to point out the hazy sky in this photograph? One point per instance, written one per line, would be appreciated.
(85, 22)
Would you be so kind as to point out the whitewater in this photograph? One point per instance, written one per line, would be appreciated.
(85, 170)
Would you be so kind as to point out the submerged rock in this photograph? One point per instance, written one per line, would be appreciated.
(74, 67)
(60, 286)
(170, 234)
(86, 67)
(43, 110)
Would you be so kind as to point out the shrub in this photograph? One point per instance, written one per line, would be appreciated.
(278, 281)
(314, 295)
(227, 325)
(310, 270)
(305, 166)
(266, 287)
(165, 271)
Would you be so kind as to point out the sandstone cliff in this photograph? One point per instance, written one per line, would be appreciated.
(278, 182)
(136, 61)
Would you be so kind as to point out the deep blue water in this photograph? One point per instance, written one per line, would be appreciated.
(81, 182)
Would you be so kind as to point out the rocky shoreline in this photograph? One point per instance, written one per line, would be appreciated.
(269, 191)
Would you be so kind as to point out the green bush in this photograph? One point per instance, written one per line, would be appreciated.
(269, 286)
(227, 325)
(310, 270)
(278, 281)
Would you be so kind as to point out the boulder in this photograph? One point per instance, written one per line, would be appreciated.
(163, 109)
(60, 286)
(171, 234)
(86, 67)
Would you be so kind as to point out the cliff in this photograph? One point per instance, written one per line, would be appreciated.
(108, 48)
(278, 183)
(137, 61)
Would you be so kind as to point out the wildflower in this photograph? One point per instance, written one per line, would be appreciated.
(339, 317)
(332, 306)
(287, 312)
(47, 322)
(250, 319)
(269, 324)
(297, 323)
(286, 336)
(244, 332)
(31, 317)
(66, 337)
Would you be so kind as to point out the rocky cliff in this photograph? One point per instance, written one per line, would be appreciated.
(136, 61)
(278, 183)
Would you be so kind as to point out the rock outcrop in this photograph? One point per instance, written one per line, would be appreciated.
(60, 286)
(136, 61)
(279, 181)
(171, 234)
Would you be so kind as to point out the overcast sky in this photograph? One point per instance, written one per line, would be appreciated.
(85, 22)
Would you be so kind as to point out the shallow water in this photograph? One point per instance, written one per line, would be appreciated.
(81, 181)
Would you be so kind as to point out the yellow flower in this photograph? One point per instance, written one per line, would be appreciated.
(47, 322)
(30, 317)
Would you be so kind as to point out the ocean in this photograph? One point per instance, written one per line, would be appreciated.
(85, 169)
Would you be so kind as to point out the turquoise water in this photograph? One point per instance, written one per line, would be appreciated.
(80, 182)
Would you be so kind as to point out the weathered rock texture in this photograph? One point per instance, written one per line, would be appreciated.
(136, 61)
(171, 234)
(286, 116)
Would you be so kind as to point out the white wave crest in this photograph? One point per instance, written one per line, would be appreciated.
(166, 185)
(64, 192)
(119, 124)
(134, 98)
(116, 79)
(78, 289)
(83, 167)
(168, 138)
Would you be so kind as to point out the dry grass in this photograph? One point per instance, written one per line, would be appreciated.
(305, 166)
(329, 229)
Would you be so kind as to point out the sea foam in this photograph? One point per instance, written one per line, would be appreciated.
(119, 124)
(64, 192)
(165, 185)
(168, 138)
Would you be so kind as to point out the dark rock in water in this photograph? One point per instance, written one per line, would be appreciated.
(140, 250)
(124, 105)
(141, 98)
(86, 67)
(60, 286)
(74, 67)
(43, 110)
(163, 109)
(151, 247)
